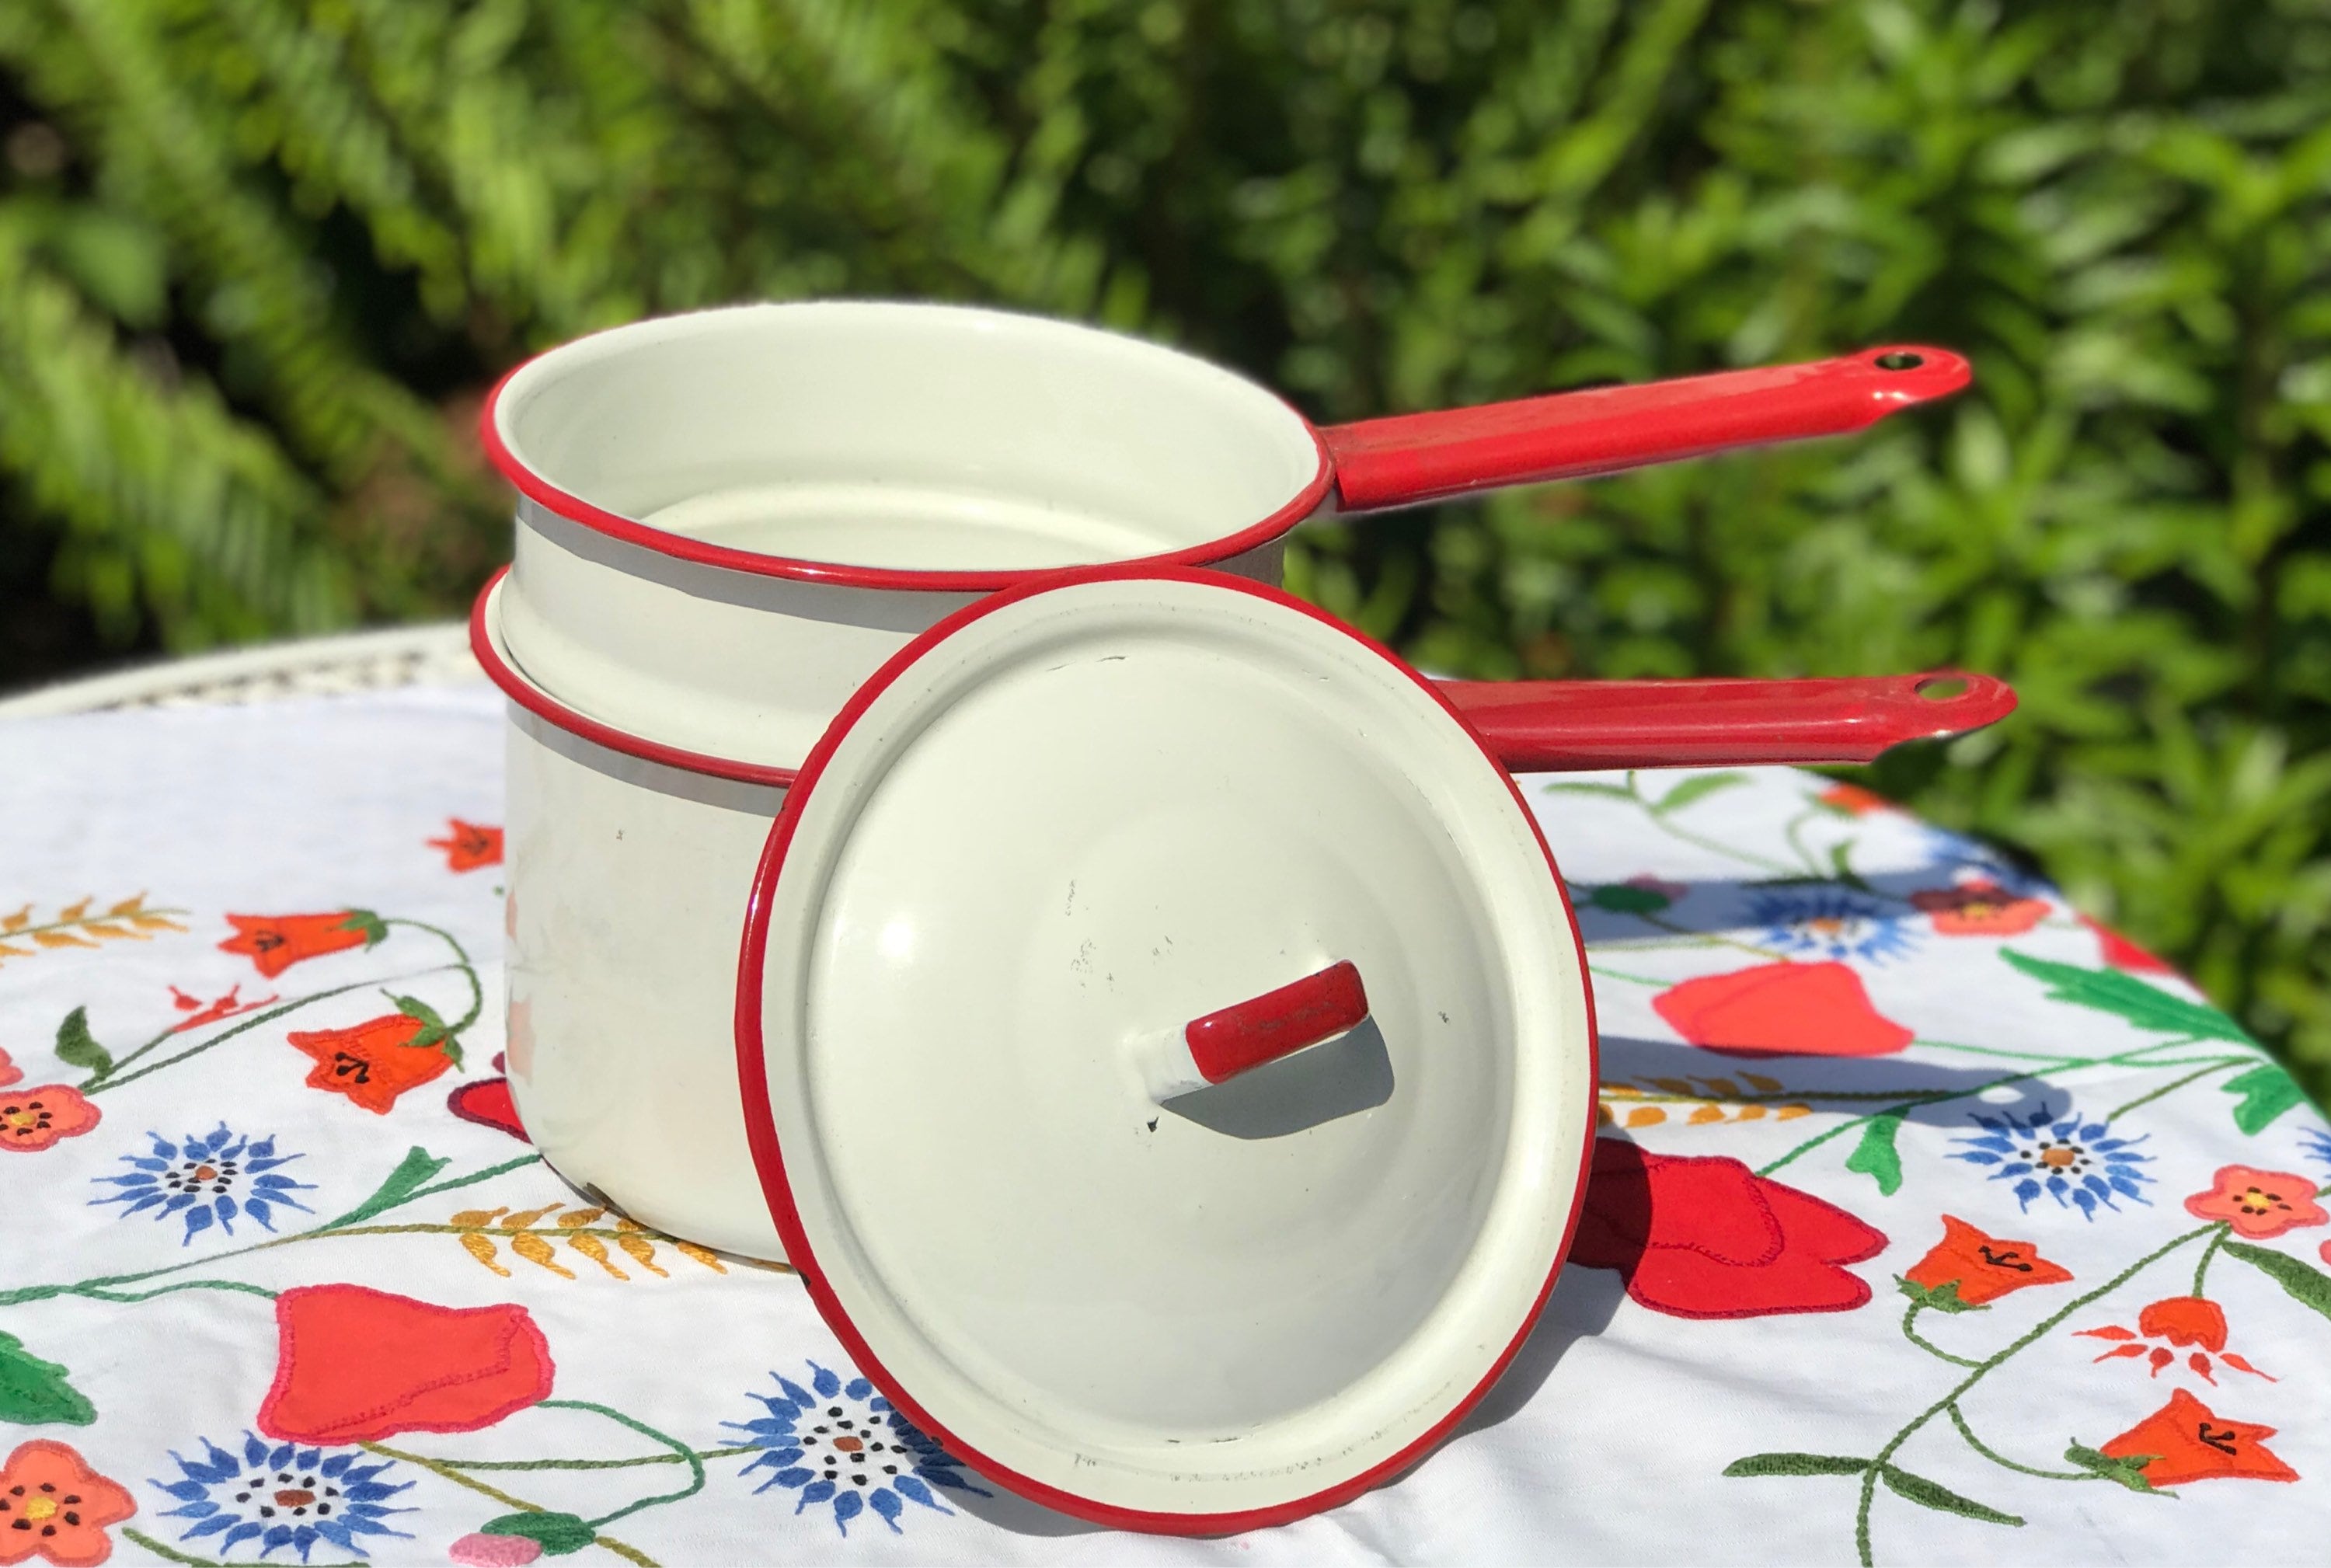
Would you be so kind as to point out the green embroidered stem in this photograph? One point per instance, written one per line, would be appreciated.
(172, 1554)
(694, 1464)
(1794, 833)
(2055, 1063)
(2176, 1083)
(46, 1292)
(2202, 1268)
(94, 1294)
(1982, 1370)
(1711, 938)
(1660, 820)
(469, 969)
(1901, 1108)
(630, 1464)
(1958, 1419)
(1915, 1338)
(114, 1078)
(439, 1467)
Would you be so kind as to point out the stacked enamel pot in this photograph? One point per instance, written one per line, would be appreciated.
(910, 749)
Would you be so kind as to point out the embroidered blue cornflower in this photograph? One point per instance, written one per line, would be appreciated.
(1835, 925)
(207, 1177)
(843, 1445)
(2078, 1163)
(282, 1495)
(2319, 1143)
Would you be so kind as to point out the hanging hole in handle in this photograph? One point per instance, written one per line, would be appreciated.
(1941, 687)
(1900, 361)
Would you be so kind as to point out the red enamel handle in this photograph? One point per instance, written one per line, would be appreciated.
(1240, 1038)
(1557, 726)
(1413, 458)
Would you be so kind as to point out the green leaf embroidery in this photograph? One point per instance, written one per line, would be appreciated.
(1623, 898)
(1588, 789)
(76, 1046)
(1875, 1156)
(2128, 1470)
(557, 1533)
(34, 1392)
(1928, 1493)
(2307, 1284)
(1942, 1298)
(432, 1032)
(1785, 1464)
(374, 929)
(2145, 1006)
(416, 1168)
(2265, 1091)
(1693, 789)
(1840, 859)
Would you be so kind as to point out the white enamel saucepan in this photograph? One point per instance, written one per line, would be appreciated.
(728, 520)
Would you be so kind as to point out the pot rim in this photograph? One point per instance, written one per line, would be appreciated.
(768, 1160)
(538, 489)
(521, 688)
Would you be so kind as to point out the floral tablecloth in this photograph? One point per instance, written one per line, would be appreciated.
(1931, 1222)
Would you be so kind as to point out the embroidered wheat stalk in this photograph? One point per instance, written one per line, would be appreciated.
(22, 937)
(1645, 1102)
(483, 1231)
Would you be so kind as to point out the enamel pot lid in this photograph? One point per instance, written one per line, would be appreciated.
(1166, 1049)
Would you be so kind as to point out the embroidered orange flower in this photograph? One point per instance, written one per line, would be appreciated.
(1980, 908)
(200, 1013)
(358, 1365)
(2181, 1320)
(276, 942)
(2121, 953)
(1984, 1267)
(2184, 1440)
(53, 1505)
(373, 1062)
(9, 1071)
(2259, 1203)
(468, 845)
(1781, 1010)
(32, 1119)
(1854, 801)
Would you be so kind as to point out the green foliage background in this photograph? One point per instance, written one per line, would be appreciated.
(259, 258)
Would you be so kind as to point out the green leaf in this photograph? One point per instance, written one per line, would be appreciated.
(1589, 789)
(374, 929)
(79, 1048)
(1840, 859)
(1621, 898)
(1696, 789)
(2307, 1284)
(1785, 1464)
(2267, 1091)
(2143, 1005)
(1928, 1493)
(1942, 1298)
(2128, 1470)
(1875, 1156)
(558, 1534)
(415, 1169)
(33, 1392)
(432, 1027)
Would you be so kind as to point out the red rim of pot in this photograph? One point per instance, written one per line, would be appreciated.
(768, 1159)
(681, 546)
(519, 689)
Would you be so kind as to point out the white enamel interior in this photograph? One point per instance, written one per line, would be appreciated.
(918, 437)
(905, 436)
(1116, 805)
(627, 887)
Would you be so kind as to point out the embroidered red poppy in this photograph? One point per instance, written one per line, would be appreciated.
(9, 1071)
(2188, 1442)
(2181, 1320)
(1705, 1237)
(357, 1365)
(488, 1103)
(1984, 1267)
(1781, 1010)
(53, 1505)
(32, 1119)
(371, 1063)
(1980, 908)
(468, 845)
(276, 942)
(2121, 953)
(2258, 1203)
